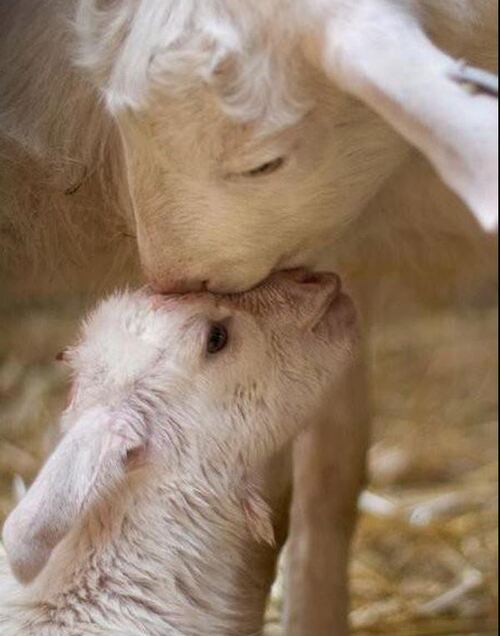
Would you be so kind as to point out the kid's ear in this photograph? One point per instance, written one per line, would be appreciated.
(89, 462)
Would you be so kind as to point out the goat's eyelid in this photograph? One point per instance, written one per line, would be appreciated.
(262, 170)
(269, 167)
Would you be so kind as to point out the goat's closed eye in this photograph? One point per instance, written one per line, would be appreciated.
(266, 168)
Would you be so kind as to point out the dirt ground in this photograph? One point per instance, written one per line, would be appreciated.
(426, 552)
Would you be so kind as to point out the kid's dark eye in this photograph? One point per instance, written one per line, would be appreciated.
(217, 338)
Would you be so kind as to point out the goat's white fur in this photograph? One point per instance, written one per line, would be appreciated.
(108, 142)
(134, 49)
(153, 515)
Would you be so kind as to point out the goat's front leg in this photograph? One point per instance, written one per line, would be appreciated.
(329, 471)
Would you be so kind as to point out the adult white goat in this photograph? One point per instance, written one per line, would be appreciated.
(157, 512)
(232, 138)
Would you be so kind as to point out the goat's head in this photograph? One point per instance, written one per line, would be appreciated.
(242, 158)
(244, 155)
(176, 384)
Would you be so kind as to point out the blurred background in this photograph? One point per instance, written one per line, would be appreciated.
(425, 556)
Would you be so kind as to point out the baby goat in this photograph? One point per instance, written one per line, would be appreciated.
(155, 514)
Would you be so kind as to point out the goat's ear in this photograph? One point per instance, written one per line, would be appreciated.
(378, 51)
(90, 461)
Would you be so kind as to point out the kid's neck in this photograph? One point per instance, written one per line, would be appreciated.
(181, 553)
